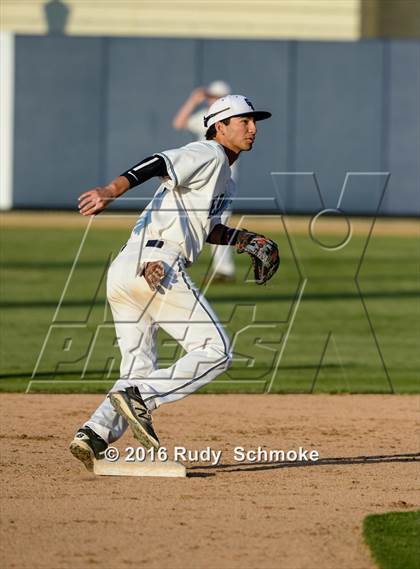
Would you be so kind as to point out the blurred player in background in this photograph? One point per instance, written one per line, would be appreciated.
(191, 117)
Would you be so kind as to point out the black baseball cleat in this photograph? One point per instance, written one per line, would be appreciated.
(87, 445)
(130, 405)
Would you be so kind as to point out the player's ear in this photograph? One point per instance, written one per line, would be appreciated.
(220, 127)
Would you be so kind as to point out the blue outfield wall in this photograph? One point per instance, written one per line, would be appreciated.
(88, 108)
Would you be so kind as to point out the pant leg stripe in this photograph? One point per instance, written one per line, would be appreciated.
(222, 361)
(196, 296)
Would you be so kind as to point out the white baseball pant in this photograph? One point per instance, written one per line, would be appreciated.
(223, 263)
(178, 308)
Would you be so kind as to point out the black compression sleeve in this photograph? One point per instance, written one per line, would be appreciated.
(146, 169)
(223, 235)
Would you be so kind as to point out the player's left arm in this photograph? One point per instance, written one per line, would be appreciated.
(223, 235)
(264, 252)
(97, 199)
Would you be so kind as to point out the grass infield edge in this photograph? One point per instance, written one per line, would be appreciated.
(394, 539)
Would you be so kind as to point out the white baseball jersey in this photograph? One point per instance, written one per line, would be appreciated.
(190, 200)
(196, 126)
(222, 256)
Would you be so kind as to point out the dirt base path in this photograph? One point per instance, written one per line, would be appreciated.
(56, 515)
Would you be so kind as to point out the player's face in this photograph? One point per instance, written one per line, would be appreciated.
(239, 135)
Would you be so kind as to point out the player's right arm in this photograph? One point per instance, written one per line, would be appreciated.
(97, 199)
(180, 121)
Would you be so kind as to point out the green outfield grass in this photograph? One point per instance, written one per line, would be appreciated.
(312, 328)
(394, 539)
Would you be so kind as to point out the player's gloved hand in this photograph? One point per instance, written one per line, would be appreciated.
(264, 254)
(153, 273)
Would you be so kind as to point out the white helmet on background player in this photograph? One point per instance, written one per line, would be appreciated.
(218, 89)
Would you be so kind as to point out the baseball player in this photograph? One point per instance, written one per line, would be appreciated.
(191, 119)
(148, 286)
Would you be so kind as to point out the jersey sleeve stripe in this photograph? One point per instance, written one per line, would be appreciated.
(170, 167)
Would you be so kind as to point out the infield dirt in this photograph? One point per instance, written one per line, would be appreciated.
(56, 515)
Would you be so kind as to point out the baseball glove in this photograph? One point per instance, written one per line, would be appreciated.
(264, 254)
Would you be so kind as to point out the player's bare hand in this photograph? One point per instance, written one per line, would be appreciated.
(153, 273)
(96, 200)
(198, 95)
